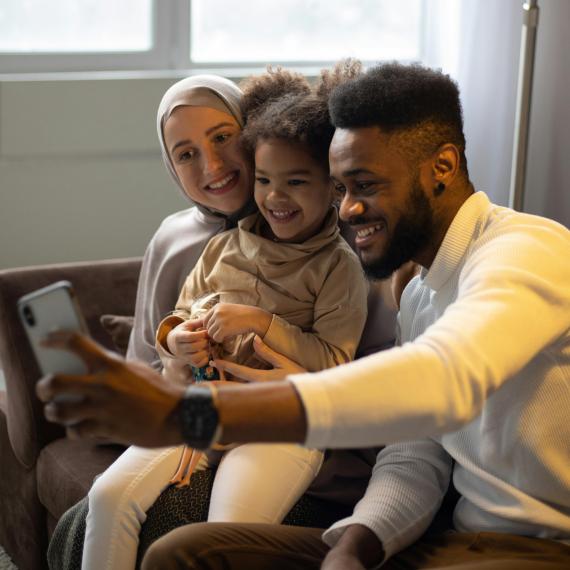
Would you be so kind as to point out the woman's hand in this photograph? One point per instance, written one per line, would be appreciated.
(189, 342)
(282, 366)
(229, 319)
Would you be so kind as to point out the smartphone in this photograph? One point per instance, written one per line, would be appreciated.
(51, 308)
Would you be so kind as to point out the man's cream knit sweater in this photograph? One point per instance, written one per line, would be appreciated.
(482, 377)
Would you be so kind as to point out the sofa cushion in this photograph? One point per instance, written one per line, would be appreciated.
(66, 469)
(119, 328)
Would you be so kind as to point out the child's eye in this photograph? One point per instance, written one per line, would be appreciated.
(296, 182)
(261, 180)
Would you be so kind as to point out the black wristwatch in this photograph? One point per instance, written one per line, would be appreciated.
(197, 416)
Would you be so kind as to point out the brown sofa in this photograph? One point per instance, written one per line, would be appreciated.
(42, 472)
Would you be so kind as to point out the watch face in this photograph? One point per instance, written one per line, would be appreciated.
(198, 417)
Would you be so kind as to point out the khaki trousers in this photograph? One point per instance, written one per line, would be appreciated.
(235, 546)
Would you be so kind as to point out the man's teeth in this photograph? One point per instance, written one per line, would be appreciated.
(282, 213)
(222, 182)
(368, 231)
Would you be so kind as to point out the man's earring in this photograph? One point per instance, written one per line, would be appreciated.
(438, 190)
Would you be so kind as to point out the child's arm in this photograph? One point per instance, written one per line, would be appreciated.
(340, 314)
(230, 319)
(179, 339)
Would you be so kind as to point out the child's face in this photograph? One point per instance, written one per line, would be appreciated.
(292, 190)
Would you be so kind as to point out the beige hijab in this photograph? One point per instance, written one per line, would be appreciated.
(198, 91)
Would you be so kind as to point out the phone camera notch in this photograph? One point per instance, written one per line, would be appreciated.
(28, 315)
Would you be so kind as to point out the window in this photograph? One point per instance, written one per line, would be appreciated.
(95, 35)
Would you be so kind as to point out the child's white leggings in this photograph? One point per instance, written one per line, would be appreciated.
(254, 483)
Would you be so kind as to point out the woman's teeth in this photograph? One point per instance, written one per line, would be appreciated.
(221, 183)
(368, 231)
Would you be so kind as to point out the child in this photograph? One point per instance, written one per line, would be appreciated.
(284, 274)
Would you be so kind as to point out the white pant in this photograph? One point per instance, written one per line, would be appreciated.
(254, 483)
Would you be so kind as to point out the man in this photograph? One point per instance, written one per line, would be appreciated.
(479, 388)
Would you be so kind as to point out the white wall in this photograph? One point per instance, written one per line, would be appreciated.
(81, 176)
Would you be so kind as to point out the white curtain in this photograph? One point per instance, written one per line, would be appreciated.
(478, 42)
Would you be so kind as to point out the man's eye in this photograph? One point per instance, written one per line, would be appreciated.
(340, 189)
(363, 185)
(261, 180)
(296, 182)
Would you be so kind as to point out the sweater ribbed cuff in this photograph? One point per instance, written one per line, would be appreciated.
(317, 408)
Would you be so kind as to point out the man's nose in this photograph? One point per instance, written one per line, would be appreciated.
(350, 208)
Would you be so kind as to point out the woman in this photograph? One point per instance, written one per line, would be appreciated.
(212, 169)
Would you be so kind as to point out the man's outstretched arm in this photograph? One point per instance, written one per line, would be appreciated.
(131, 403)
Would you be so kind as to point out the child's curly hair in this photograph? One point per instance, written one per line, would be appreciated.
(281, 104)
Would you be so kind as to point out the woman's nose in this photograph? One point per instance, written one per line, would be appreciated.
(213, 162)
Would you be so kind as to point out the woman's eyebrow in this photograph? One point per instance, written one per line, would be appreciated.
(179, 144)
(218, 126)
(208, 132)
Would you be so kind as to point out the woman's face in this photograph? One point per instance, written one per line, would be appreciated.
(204, 146)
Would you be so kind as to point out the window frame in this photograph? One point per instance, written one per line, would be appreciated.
(170, 52)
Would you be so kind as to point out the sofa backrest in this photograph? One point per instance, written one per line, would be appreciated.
(102, 287)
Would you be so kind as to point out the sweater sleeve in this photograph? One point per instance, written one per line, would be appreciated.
(169, 257)
(195, 284)
(405, 491)
(440, 381)
(340, 314)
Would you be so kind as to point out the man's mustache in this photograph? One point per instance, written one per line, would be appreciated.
(363, 220)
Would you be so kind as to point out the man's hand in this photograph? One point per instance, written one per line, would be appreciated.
(189, 342)
(225, 320)
(357, 549)
(282, 366)
(127, 402)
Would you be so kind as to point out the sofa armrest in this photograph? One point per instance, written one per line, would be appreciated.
(102, 287)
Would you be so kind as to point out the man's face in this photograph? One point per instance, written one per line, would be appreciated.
(383, 199)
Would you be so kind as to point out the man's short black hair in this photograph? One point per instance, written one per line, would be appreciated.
(420, 103)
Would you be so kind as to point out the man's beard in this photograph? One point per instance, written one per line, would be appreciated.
(413, 231)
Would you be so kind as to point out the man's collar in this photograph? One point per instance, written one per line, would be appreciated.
(456, 241)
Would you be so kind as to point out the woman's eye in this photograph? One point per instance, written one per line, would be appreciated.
(261, 180)
(222, 137)
(185, 156)
(296, 182)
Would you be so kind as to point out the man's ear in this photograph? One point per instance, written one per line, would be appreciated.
(445, 164)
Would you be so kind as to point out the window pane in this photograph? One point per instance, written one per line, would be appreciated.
(304, 30)
(44, 26)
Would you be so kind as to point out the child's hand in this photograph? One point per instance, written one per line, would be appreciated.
(190, 342)
(229, 319)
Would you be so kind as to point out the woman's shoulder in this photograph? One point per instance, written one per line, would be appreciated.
(185, 225)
